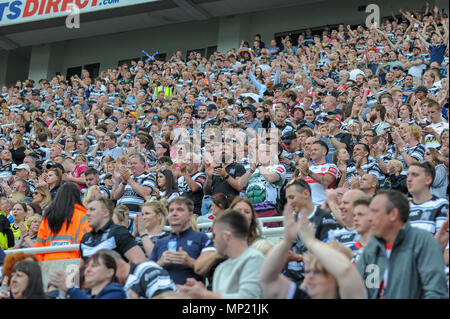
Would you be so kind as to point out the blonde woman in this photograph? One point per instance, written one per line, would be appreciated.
(408, 148)
(149, 225)
(92, 192)
(121, 216)
(27, 239)
(42, 197)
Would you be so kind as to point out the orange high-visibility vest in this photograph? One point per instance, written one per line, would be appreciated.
(72, 235)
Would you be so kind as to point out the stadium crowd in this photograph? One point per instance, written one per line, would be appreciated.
(344, 133)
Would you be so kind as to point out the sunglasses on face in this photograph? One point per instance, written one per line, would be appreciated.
(171, 118)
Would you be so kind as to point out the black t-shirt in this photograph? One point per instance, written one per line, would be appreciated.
(220, 185)
(345, 138)
(323, 222)
(111, 236)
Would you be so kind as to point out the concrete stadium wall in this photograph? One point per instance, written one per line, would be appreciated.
(223, 32)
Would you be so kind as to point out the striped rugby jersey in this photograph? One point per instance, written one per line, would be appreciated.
(133, 200)
(148, 279)
(344, 236)
(417, 152)
(371, 167)
(429, 215)
(317, 189)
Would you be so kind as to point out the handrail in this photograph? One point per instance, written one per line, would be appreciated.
(266, 232)
(45, 249)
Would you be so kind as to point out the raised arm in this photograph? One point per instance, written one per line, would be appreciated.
(351, 285)
(274, 284)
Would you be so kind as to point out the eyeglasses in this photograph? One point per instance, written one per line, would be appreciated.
(171, 118)
(259, 111)
(427, 153)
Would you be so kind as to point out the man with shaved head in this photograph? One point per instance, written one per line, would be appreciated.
(347, 235)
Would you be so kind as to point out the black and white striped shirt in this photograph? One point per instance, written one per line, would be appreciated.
(417, 152)
(429, 215)
(344, 236)
(148, 279)
(371, 167)
(133, 200)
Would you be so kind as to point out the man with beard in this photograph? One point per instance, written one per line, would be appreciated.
(223, 177)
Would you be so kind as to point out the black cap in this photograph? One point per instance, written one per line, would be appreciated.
(251, 107)
(288, 136)
(54, 165)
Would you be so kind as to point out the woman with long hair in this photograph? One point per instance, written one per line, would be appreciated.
(219, 203)
(42, 197)
(54, 180)
(166, 186)
(162, 149)
(64, 223)
(99, 280)
(26, 281)
(244, 205)
(17, 149)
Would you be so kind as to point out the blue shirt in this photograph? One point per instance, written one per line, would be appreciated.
(192, 243)
(437, 53)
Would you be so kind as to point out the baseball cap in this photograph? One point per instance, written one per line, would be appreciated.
(49, 165)
(134, 114)
(298, 106)
(288, 136)
(23, 166)
(109, 121)
(336, 117)
(229, 118)
(212, 106)
(251, 107)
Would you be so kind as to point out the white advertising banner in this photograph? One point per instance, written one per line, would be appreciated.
(23, 11)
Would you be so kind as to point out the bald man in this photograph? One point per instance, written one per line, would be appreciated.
(347, 234)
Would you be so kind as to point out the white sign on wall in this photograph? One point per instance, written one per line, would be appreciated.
(23, 11)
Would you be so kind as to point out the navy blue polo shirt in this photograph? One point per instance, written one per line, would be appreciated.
(192, 242)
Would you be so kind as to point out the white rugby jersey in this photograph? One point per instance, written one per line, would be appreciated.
(317, 189)
(430, 140)
(429, 215)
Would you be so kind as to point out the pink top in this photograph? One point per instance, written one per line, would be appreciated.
(77, 173)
